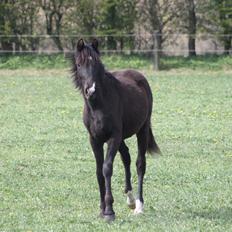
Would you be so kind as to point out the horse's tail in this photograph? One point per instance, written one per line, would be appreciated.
(152, 145)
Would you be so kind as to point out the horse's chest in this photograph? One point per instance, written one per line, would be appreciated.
(100, 126)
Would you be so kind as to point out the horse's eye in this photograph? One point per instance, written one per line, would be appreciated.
(78, 65)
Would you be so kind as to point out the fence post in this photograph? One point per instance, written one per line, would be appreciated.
(13, 46)
(156, 52)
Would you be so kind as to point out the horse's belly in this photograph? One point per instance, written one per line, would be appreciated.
(133, 121)
(131, 129)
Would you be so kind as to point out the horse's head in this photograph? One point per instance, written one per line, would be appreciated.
(87, 67)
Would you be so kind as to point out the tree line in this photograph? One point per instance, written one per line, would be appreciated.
(113, 18)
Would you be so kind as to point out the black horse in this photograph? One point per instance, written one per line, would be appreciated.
(117, 106)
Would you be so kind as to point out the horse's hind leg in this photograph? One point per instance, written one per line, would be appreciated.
(125, 156)
(142, 139)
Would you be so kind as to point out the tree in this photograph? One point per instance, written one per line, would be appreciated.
(191, 18)
(158, 15)
(192, 27)
(82, 18)
(224, 8)
(17, 18)
(218, 20)
(5, 26)
(54, 11)
(25, 15)
(116, 17)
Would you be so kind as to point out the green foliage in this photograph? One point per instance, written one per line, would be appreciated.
(33, 61)
(117, 62)
(199, 62)
(18, 18)
(117, 16)
(86, 18)
(47, 169)
(224, 10)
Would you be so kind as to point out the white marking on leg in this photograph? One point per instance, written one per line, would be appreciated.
(130, 199)
(91, 90)
(139, 207)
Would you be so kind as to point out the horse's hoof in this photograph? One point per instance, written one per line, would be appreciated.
(136, 211)
(130, 200)
(131, 206)
(139, 207)
(109, 218)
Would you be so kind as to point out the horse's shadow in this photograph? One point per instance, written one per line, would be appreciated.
(223, 214)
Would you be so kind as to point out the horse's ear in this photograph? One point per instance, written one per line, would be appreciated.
(95, 45)
(80, 44)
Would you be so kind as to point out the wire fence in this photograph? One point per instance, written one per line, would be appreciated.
(153, 44)
(171, 44)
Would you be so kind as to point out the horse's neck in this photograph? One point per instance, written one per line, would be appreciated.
(111, 83)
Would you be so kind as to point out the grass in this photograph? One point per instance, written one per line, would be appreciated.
(47, 170)
(57, 61)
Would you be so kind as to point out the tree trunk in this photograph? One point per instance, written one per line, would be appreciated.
(192, 28)
(156, 50)
(156, 24)
(121, 43)
(160, 42)
(7, 46)
(58, 43)
(111, 43)
(6, 43)
(54, 29)
(227, 44)
(57, 31)
(192, 45)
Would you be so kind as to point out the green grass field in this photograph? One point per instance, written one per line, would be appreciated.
(47, 169)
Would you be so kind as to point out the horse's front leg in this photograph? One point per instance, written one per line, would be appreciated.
(113, 146)
(99, 156)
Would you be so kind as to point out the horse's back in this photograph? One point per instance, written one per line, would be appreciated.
(135, 80)
(129, 76)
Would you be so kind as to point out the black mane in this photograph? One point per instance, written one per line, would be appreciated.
(111, 79)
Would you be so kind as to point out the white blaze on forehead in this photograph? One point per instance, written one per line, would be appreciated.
(139, 207)
(90, 58)
(92, 89)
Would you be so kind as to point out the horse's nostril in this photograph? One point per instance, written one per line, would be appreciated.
(86, 91)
